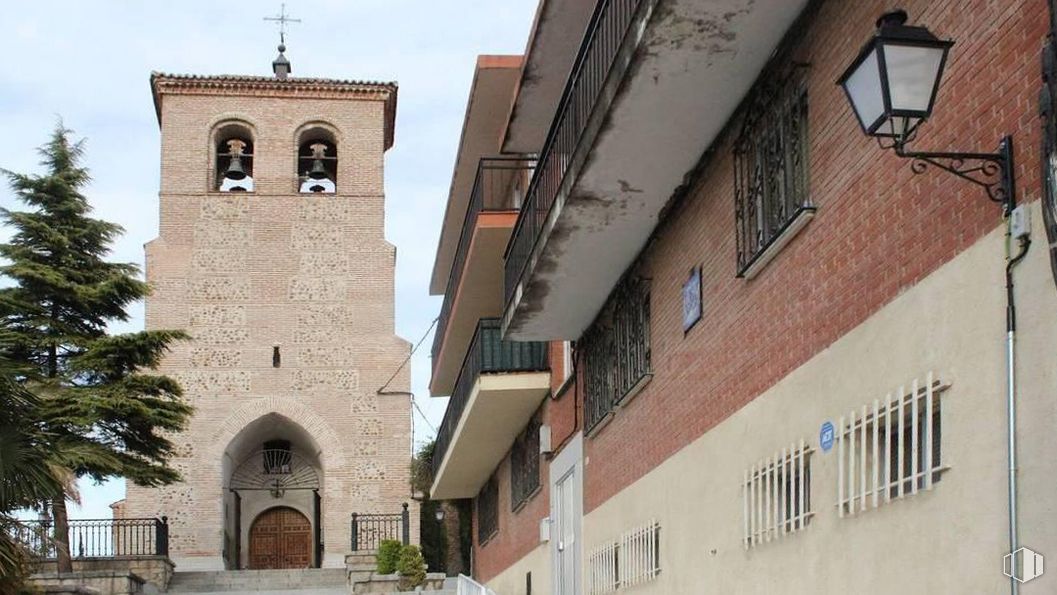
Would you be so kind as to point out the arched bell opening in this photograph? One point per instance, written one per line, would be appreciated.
(317, 161)
(271, 463)
(233, 150)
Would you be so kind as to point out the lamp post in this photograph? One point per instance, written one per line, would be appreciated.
(892, 86)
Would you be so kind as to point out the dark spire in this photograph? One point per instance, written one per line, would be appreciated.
(281, 65)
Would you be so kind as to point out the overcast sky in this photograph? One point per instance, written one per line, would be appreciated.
(89, 63)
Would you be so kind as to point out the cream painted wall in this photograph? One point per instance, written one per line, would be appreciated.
(948, 541)
(512, 580)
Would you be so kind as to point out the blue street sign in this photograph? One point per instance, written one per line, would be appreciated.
(825, 437)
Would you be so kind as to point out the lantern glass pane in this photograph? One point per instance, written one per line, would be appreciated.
(897, 126)
(913, 73)
(864, 89)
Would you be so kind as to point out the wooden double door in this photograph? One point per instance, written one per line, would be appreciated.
(280, 537)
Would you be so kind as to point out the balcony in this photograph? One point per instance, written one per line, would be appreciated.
(653, 84)
(474, 288)
(499, 387)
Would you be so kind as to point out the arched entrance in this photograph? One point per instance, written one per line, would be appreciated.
(280, 537)
(272, 504)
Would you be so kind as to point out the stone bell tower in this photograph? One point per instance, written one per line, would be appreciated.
(271, 255)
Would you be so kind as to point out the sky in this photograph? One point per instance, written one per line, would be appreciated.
(89, 63)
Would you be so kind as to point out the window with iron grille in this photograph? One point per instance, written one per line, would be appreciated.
(616, 350)
(770, 170)
(890, 449)
(525, 464)
(488, 510)
(776, 495)
(277, 457)
(633, 559)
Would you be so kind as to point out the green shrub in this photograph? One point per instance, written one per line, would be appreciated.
(412, 567)
(388, 555)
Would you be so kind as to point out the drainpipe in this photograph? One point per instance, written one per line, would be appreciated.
(1011, 405)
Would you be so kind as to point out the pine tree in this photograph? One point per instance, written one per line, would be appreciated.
(102, 406)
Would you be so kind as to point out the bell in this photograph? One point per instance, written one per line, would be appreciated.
(234, 170)
(318, 172)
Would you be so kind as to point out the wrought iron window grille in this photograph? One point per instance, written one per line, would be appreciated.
(525, 465)
(771, 164)
(488, 510)
(616, 351)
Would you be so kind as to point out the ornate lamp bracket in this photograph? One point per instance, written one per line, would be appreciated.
(991, 171)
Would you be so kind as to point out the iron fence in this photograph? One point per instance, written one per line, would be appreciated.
(369, 530)
(499, 186)
(97, 538)
(609, 25)
(488, 353)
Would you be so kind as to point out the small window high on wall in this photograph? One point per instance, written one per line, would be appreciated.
(234, 159)
(317, 162)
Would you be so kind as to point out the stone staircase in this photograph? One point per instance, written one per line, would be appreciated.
(357, 577)
(324, 581)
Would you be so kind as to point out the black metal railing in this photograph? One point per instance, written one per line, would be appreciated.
(488, 353)
(369, 530)
(499, 186)
(605, 34)
(97, 538)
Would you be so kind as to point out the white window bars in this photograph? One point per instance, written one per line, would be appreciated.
(890, 450)
(632, 560)
(776, 495)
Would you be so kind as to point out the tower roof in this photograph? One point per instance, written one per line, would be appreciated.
(270, 86)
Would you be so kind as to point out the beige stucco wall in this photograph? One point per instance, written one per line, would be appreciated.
(950, 540)
(312, 274)
(512, 580)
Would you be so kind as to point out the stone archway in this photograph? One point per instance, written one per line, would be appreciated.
(280, 537)
(272, 464)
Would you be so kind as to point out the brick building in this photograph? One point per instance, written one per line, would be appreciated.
(271, 254)
(788, 346)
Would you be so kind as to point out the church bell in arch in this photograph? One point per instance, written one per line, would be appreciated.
(235, 170)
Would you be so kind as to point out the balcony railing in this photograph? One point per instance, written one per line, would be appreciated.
(97, 538)
(498, 183)
(605, 34)
(488, 353)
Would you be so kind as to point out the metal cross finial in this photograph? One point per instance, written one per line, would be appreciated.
(282, 18)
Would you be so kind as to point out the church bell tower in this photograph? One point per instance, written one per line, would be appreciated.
(271, 255)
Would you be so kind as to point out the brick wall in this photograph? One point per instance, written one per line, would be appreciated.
(879, 228)
(519, 530)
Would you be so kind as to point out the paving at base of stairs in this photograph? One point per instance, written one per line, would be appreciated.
(321, 581)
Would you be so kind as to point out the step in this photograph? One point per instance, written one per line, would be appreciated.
(318, 580)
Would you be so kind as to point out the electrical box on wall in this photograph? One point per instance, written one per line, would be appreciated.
(545, 440)
(545, 530)
(1020, 223)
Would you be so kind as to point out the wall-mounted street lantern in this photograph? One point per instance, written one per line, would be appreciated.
(439, 514)
(892, 87)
